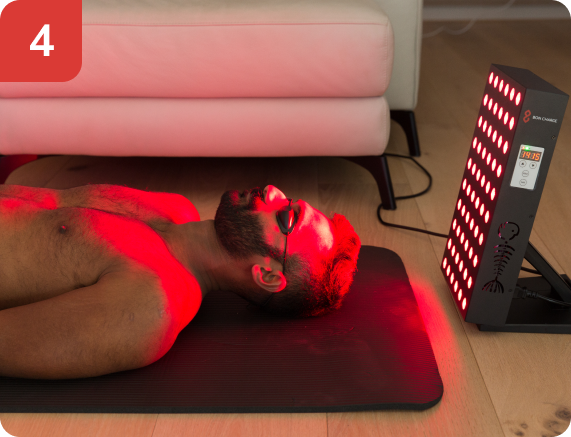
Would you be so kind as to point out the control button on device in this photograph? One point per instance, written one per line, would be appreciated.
(522, 182)
(525, 173)
(522, 163)
(532, 164)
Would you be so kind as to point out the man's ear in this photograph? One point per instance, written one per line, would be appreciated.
(268, 279)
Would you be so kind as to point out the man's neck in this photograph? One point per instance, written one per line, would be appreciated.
(196, 246)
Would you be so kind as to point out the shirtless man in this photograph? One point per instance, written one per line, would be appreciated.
(100, 278)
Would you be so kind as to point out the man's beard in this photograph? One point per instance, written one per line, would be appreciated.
(237, 227)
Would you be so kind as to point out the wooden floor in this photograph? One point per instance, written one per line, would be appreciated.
(495, 384)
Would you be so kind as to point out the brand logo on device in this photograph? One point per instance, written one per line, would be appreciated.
(527, 114)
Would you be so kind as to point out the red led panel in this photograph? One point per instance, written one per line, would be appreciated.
(485, 161)
(470, 262)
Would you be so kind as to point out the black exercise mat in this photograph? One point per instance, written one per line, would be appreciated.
(372, 354)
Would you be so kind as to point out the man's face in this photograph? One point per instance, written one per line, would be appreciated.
(245, 221)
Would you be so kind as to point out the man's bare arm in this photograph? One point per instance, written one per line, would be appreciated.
(144, 205)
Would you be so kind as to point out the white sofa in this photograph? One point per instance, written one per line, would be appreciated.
(229, 78)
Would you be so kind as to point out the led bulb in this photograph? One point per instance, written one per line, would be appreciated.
(512, 122)
(501, 113)
(477, 202)
(506, 147)
(462, 238)
(470, 254)
(495, 108)
(506, 89)
(494, 164)
(453, 250)
(487, 216)
(512, 94)
(476, 232)
(467, 216)
(470, 282)
(454, 224)
(460, 292)
(469, 189)
(459, 204)
(484, 127)
(449, 243)
(479, 148)
(491, 78)
(452, 278)
(474, 169)
(499, 170)
(481, 240)
(475, 260)
(471, 224)
(463, 212)
(501, 85)
(472, 196)
(469, 163)
(480, 121)
(506, 117)
(456, 258)
(489, 131)
(461, 266)
(500, 142)
(482, 209)
(496, 81)
(464, 184)
(444, 263)
(466, 245)
(484, 153)
(488, 158)
(455, 286)
(490, 103)
(493, 193)
(475, 142)
(448, 271)
(518, 99)
(494, 136)
(488, 188)
(483, 181)
(464, 303)
(458, 231)
(465, 273)
(478, 175)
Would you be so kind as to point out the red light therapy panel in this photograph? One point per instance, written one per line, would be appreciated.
(503, 178)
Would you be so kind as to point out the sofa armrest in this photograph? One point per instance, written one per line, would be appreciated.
(406, 20)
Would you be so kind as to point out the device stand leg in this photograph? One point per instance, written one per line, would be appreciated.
(379, 168)
(537, 315)
(408, 123)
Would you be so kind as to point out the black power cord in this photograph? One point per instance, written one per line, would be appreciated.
(523, 293)
(424, 231)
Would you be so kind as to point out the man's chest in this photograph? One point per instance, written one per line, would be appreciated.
(49, 252)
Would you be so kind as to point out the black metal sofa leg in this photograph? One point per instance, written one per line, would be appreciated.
(378, 167)
(408, 123)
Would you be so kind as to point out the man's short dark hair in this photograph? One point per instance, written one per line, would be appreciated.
(316, 289)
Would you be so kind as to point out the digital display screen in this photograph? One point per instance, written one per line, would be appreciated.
(528, 154)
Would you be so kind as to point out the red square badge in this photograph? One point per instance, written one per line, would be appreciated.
(40, 40)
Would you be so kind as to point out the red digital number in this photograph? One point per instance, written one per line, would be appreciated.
(40, 40)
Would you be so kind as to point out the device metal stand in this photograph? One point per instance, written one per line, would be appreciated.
(538, 315)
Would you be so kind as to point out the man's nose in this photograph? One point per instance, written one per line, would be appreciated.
(271, 193)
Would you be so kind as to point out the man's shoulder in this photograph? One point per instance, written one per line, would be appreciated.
(177, 207)
(168, 286)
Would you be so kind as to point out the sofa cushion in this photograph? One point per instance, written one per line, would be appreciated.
(228, 48)
(195, 127)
